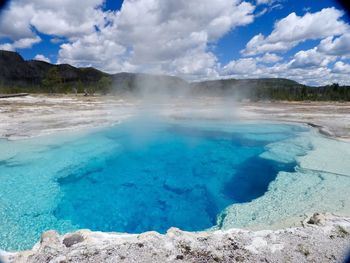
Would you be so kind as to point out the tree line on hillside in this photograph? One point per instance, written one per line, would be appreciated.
(53, 83)
(333, 92)
(272, 89)
(255, 90)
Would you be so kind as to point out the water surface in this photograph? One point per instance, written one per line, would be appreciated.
(134, 177)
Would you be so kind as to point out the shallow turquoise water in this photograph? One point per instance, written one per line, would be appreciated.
(134, 177)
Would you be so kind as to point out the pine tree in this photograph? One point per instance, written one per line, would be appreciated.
(104, 85)
(53, 80)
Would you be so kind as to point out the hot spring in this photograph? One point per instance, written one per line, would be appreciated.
(137, 176)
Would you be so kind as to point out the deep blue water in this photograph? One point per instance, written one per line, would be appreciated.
(178, 176)
(134, 177)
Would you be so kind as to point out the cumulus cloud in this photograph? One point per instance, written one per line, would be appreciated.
(266, 2)
(293, 29)
(92, 50)
(341, 67)
(21, 28)
(310, 58)
(306, 67)
(63, 18)
(26, 42)
(160, 36)
(195, 64)
(41, 57)
(339, 46)
(68, 18)
(243, 66)
(269, 58)
(56, 40)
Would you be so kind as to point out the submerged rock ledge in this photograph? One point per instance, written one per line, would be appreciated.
(320, 238)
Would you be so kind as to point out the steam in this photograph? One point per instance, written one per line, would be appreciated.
(157, 96)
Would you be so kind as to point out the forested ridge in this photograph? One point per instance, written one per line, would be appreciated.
(18, 75)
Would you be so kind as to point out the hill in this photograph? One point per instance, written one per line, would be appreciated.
(18, 75)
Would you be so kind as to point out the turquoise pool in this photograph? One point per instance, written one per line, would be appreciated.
(134, 177)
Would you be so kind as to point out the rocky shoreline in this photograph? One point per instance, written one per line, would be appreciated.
(320, 238)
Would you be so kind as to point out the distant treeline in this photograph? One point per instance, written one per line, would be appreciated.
(272, 89)
(333, 92)
(20, 76)
(53, 83)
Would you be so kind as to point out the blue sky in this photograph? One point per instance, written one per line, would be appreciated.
(305, 40)
(263, 24)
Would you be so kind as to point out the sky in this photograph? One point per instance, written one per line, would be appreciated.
(304, 40)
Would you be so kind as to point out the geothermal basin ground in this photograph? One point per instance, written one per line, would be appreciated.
(240, 176)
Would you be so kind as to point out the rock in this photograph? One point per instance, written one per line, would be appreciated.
(316, 219)
(73, 239)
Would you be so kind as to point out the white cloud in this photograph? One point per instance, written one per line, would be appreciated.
(93, 50)
(306, 72)
(27, 42)
(266, 2)
(7, 47)
(63, 18)
(243, 66)
(66, 18)
(259, 44)
(262, 12)
(56, 40)
(194, 64)
(293, 29)
(41, 57)
(269, 58)
(339, 46)
(15, 21)
(341, 68)
(160, 36)
(310, 58)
